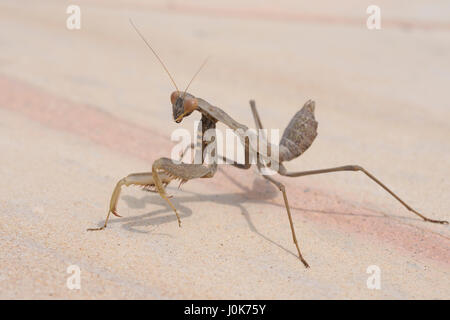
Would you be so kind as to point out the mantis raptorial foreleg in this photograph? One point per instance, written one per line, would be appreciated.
(144, 179)
(181, 171)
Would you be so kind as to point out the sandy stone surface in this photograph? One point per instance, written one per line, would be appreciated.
(81, 109)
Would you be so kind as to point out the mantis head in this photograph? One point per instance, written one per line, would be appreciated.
(182, 105)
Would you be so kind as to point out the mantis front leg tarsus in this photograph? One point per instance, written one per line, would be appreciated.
(144, 179)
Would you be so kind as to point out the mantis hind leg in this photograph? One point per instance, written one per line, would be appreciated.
(284, 172)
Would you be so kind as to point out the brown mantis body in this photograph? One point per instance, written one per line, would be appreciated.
(296, 139)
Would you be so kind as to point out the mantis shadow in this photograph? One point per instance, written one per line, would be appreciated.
(261, 192)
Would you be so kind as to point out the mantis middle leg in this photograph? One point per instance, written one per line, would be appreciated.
(280, 186)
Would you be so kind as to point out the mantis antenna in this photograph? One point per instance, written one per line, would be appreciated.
(195, 75)
(156, 55)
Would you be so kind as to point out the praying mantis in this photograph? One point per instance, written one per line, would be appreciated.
(297, 138)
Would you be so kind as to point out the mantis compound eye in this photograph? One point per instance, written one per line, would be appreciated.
(189, 105)
(174, 96)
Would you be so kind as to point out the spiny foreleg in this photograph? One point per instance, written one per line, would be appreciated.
(144, 179)
(181, 171)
